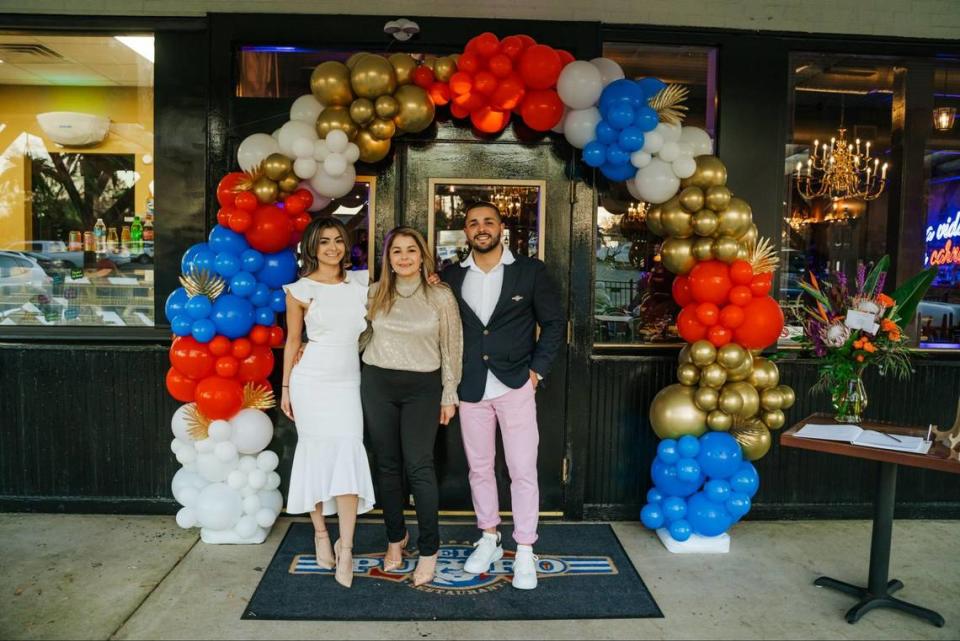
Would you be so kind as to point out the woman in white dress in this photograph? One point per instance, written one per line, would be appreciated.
(321, 392)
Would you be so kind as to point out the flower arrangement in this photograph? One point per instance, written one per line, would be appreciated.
(853, 328)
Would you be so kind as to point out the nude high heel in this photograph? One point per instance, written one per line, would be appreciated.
(323, 550)
(389, 565)
(344, 559)
(426, 570)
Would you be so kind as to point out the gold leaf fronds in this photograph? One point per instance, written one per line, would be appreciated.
(258, 397)
(203, 282)
(763, 257)
(668, 103)
(249, 177)
(199, 424)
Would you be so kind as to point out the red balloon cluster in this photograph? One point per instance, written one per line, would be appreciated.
(727, 303)
(268, 228)
(496, 77)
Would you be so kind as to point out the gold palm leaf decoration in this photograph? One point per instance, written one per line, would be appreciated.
(258, 397)
(202, 282)
(249, 177)
(763, 257)
(199, 424)
(668, 104)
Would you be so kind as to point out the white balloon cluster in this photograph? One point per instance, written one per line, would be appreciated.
(667, 157)
(579, 87)
(228, 482)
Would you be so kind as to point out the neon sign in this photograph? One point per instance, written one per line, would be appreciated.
(949, 253)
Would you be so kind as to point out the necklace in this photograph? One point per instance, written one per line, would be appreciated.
(415, 289)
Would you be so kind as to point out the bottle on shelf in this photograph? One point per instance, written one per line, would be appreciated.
(136, 236)
(113, 241)
(100, 236)
(125, 240)
(148, 229)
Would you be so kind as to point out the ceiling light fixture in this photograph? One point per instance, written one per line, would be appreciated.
(143, 45)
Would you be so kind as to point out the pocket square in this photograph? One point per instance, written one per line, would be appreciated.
(517, 299)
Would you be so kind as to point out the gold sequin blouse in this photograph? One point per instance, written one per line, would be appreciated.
(420, 333)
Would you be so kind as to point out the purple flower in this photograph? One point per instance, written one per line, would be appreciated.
(881, 281)
(861, 276)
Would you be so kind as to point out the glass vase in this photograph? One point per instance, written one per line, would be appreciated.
(850, 401)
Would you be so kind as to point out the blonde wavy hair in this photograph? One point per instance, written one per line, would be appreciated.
(386, 292)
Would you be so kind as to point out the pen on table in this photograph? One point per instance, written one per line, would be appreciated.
(893, 437)
(929, 432)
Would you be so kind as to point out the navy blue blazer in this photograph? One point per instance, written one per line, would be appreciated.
(507, 345)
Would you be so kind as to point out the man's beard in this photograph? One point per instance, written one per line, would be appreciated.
(484, 250)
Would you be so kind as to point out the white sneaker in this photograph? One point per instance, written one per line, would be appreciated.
(486, 551)
(525, 568)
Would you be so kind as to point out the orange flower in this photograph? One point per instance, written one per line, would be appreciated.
(888, 325)
(859, 358)
(858, 344)
(885, 300)
(870, 348)
(894, 336)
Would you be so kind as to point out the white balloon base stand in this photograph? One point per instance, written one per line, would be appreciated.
(696, 544)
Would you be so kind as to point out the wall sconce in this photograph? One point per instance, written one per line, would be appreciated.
(943, 118)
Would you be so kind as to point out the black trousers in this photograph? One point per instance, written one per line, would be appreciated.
(402, 410)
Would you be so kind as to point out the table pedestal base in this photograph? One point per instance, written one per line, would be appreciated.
(869, 601)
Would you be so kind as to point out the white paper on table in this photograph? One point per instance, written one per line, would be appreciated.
(122, 280)
(879, 440)
(845, 433)
(112, 318)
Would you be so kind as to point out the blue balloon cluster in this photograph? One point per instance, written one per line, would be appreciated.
(254, 288)
(626, 117)
(701, 486)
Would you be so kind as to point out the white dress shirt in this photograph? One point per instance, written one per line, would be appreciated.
(481, 291)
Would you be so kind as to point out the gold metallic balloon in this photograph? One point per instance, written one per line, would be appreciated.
(742, 372)
(456, 57)
(773, 419)
(725, 248)
(276, 166)
(731, 355)
(404, 66)
(717, 197)
(265, 190)
(730, 402)
(653, 222)
(710, 172)
(371, 149)
(373, 76)
(416, 109)
(361, 111)
(742, 252)
(735, 219)
(702, 248)
(692, 199)
(704, 222)
(382, 129)
(330, 84)
(352, 60)
(713, 375)
(443, 68)
(289, 183)
(771, 399)
(765, 374)
(386, 106)
(674, 414)
(429, 61)
(684, 355)
(336, 118)
(706, 398)
(750, 236)
(751, 398)
(754, 439)
(675, 219)
(688, 374)
(719, 421)
(702, 353)
(789, 397)
(676, 255)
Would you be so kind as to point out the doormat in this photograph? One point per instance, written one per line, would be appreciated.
(583, 571)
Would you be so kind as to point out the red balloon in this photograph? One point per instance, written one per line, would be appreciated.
(457, 111)
(471, 101)
(246, 200)
(486, 44)
(761, 284)
(301, 221)
(304, 195)
(270, 230)
(469, 62)
(719, 335)
(500, 65)
(241, 348)
(259, 335)
(219, 346)
(461, 83)
(258, 365)
(294, 205)
(708, 314)
(689, 328)
(276, 336)
(439, 93)
(762, 323)
(485, 83)
(227, 366)
(731, 316)
(681, 291)
(489, 120)
(181, 387)
(240, 220)
(512, 47)
(710, 282)
(223, 216)
(540, 66)
(741, 273)
(219, 398)
(740, 295)
(226, 188)
(191, 358)
(565, 57)
(509, 93)
(423, 77)
(527, 41)
(541, 109)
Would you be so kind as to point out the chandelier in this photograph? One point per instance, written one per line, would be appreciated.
(841, 171)
(508, 200)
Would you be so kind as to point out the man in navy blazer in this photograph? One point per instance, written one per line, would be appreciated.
(503, 298)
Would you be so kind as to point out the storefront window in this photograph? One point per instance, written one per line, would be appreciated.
(632, 291)
(76, 180)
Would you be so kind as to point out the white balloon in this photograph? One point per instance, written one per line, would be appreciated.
(306, 109)
(205, 446)
(218, 507)
(652, 142)
(237, 479)
(292, 131)
(697, 138)
(558, 128)
(656, 183)
(220, 430)
(668, 131)
(335, 164)
(186, 517)
(334, 186)
(247, 491)
(337, 141)
(176, 445)
(686, 149)
(273, 481)
(246, 526)
(211, 468)
(320, 151)
(305, 168)
(251, 504)
(185, 478)
(303, 148)
(581, 83)
(640, 159)
(352, 153)
(276, 134)
(257, 479)
(669, 152)
(684, 166)
(266, 518)
(252, 431)
(226, 452)
(609, 70)
(632, 188)
(188, 496)
(254, 149)
(186, 455)
(247, 464)
(180, 425)
(268, 460)
(580, 126)
(272, 500)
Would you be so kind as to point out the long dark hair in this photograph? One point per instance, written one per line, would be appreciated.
(307, 253)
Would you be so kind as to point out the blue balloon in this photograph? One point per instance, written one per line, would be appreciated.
(674, 508)
(665, 479)
(745, 480)
(201, 260)
(278, 301)
(631, 139)
(617, 156)
(688, 470)
(198, 307)
(720, 455)
(706, 517)
(180, 325)
(203, 330)
(667, 451)
(233, 316)
(251, 260)
(176, 304)
(278, 269)
(622, 90)
(605, 133)
(646, 118)
(651, 516)
(243, 284)
(187, 260)
(651, 86)
(738, 505)
(680, 530)
(619, 173)
(688, 446)
(717, 491)
(226, 240)
(261, 295)
(654, 495)
(226, 264)
(620, 115)
(265, 316)
(595, 153)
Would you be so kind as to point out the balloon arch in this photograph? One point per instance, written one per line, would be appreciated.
(715, 420)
